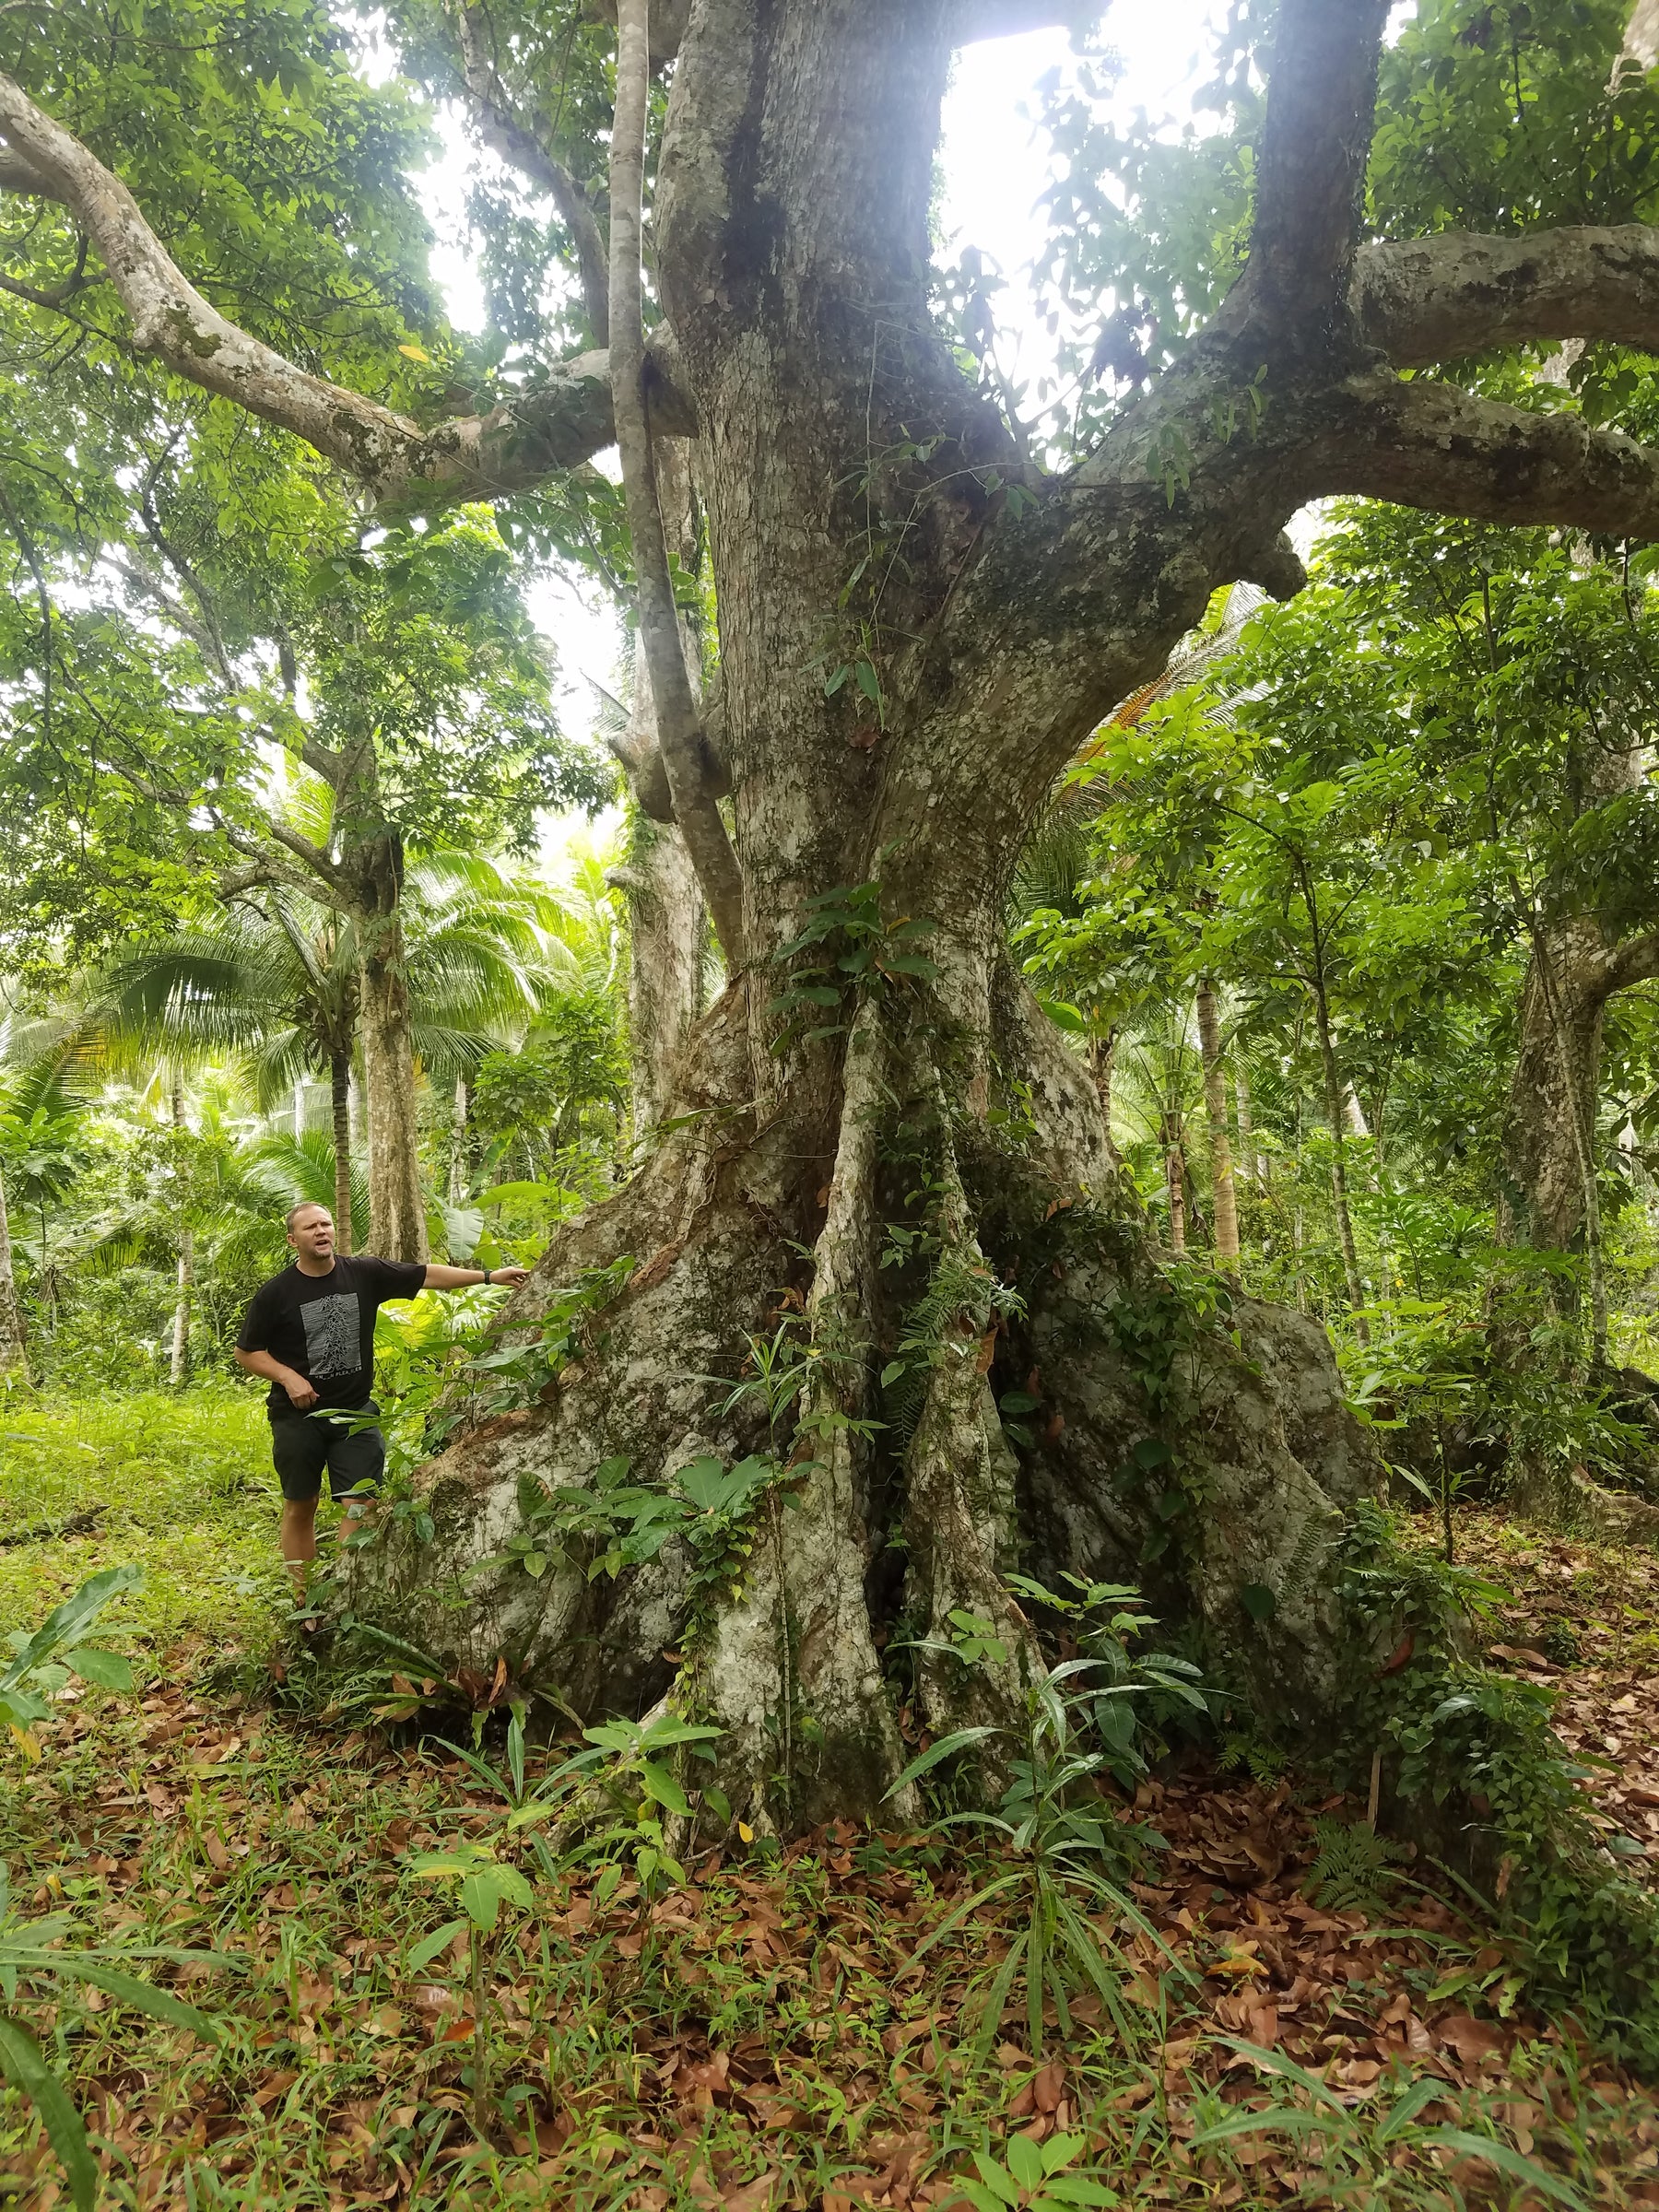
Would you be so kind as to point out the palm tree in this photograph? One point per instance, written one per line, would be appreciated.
(277, 984)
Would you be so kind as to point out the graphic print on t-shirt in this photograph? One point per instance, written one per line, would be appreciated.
(333, 1338)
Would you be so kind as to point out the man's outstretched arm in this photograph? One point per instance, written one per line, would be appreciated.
(460, 1278)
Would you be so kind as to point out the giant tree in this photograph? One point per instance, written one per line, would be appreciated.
(917, 628)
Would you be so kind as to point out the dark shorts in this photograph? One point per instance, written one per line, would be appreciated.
(303, 1444)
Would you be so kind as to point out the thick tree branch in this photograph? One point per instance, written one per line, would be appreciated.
(1635, 961)
(1315, 139)
(1429, 445)
(18, 175)
(668, 21)
(559, 425)
(316, 876)
(1641, 42)
(504, 130)
(1425, 300)
(679, 732)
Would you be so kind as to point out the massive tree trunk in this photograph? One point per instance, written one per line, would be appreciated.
(14, 1352)
(1034, 1262)
(396, 1199)
(841, 1086)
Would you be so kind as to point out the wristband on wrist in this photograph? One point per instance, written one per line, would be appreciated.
(486, 1275)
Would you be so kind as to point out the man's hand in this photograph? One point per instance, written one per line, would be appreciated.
(439, 1278)
(301, 1394)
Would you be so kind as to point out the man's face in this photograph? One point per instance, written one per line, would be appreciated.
(312, 1233)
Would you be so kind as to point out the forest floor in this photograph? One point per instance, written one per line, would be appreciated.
(763, 2038)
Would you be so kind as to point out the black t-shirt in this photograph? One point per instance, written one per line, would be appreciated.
(323, 1326)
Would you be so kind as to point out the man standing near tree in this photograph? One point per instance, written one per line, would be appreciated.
(310, 1333)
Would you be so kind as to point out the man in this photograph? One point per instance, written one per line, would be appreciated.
(310, 1333)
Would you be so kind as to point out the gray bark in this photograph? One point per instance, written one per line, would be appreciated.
(666, 933)
(678, 725)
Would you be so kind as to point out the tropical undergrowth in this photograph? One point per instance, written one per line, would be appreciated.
(1470, 1760)
(402, 1933)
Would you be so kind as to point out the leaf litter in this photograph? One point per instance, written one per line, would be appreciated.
(762, 2038)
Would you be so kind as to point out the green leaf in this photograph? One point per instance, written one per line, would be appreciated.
(660, 1785)
(1059, 2150)
(997, 2179)
(1025, 2161)
(1275, 2062)
(1289, 2118)
(26, 2069)
(65, 1623)
(481, 1898)
(1507, 2159)
(106, 1670)
(957, 1740)
(1258, 1601)
(427, 1948)
(143, 1997)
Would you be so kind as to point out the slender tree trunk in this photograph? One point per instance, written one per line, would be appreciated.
(339, 1088)
(179, 1368)
(1335, 1092)
(678, 725)
(1549, 1198)
(397, 1198)
(1214, 1101)
(298, 1109)
(1248, 1164)
(14, 1352)
(1175, 1182)
(459, 1165)
(665, 933)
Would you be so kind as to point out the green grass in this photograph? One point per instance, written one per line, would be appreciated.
(187, 1491)
(768, 2022)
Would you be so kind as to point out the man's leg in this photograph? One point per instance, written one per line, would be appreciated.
(299, 1540)
(297, 1449)
(357, 1460)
